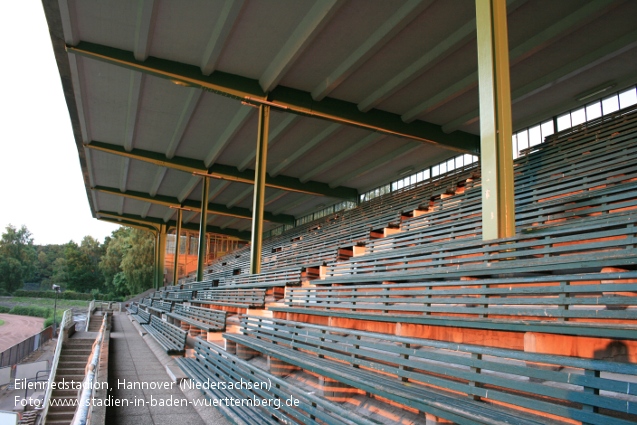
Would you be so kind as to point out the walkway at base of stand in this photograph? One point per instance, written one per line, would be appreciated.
(134, 361)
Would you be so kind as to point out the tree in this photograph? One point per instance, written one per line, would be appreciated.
(127, 265)
(82, 271)
(17, 258)
(138, 263)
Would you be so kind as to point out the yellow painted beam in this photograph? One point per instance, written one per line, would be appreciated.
(496, 153)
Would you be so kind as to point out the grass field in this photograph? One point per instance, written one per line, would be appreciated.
(1, 322)
(43, 302)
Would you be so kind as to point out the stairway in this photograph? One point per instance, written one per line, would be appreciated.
(96, 322)
(73, 359)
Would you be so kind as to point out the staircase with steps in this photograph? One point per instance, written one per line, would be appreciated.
(71, 367)
(96, 322)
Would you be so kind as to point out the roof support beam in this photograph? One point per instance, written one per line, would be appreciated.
(309, 27)
(159, 177)
(399, 20)
(129, 223)
(168, 201)
(496, 159)
(292, 100)
(408, 147)
(123, 175)
(203, 223)
(225, 172)
(144, 211)
(275, 135)
(532, 45)
(240, 118)
(184, 119)
(547, 81)
(221, 30)
(134, 93)
(365, 141)
(143, 28)
(240, 197)
(305, 148)
(259, 189)
(171, 224)
(442, 50)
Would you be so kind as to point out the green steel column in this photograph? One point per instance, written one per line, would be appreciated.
(259, 189)
(177, 243)
(156, 273)
(203, 223)
(496, 153)
(163, 231)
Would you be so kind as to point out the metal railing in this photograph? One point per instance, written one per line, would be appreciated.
(83, 412)
(67, 320)
(89, 313)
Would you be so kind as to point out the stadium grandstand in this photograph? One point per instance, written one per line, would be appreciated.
(395, 212)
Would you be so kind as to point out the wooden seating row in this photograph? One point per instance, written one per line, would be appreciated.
(217, 369)
(466, 384)
(205, 319)
(141, 316)
(595, 305)
(170, 337)
(588, 247)
(231, 299)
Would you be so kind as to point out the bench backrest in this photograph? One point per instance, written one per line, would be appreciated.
(601, 244)
(144, 315)
(205, 315)
(228, 368)
(162, 305)
(533, 381)
(252, 297)
(172, 332)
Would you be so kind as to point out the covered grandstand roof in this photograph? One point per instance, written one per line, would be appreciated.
(360, 91)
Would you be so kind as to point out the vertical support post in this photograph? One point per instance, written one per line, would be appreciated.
(177, 245)
(203, 223)
(161, 255)
(259, 189)
(496, 157)
(156, 274)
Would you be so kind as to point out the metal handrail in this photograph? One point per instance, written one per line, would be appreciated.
(91, 307)
(83, 411)
(67, 318)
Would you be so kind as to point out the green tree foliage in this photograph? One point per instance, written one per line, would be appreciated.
(127, 265)
(18, 258)
(82, 271)
(48, 264)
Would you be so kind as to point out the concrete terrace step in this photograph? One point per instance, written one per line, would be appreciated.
(60, 417)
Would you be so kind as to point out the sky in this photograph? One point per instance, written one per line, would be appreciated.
(41, 184)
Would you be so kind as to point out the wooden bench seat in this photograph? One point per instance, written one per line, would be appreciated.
(466, 384)
(132, 309)
(232, 298)
(170, 337)
(159, 307)
(213, 365)
(609, 243)
(178, 296)
(268, 279)
(142, 317)
(596, 304)
(205, 319)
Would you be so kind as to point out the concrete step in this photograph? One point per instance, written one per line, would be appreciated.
(60, 417)
(63, 393)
